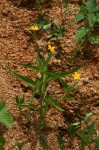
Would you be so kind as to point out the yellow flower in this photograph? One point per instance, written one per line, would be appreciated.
(76, 75)
(51, 48)
(34, 28)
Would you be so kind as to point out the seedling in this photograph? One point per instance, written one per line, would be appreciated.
(20, 145)
(88, 134)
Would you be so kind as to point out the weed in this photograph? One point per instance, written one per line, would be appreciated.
(89, 15)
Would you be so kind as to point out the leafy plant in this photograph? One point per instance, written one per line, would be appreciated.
(88, 133)
(89, 15)
(72, 128)
(5, 116)
(55, 30)
(41, 85)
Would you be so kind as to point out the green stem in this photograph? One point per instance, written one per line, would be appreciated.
(42, 104)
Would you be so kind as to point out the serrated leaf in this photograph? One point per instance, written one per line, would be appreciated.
(80, 16)
(54, 103)
(81, 33)
(5, 116)
(30, 106)
(27, 80)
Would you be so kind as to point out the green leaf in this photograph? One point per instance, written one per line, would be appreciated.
(81, 33)
(40, 17)
(30, 106)
(43, 88)
(37, 84)
(53, 102)
(66, 2)
(63, 74)
(88, 116)
(65, 85)
(60, 36)
(1, 147)
(30, 66)
(59, 75)
(97, 143)
(20, 145)
(44, 143)
(91, 19)
(48, 59)
(97, 17)
(80, 16)
(84, 137)
(60, 142)
(49, 36)
(2, 140)
(50, 78)
(94, 39)
(48, 26)
(70, 88)
(83, 9)
(91, 128)
(20, 100)
(5, 116)
(27, 80)
(91, 4)
(39, 61)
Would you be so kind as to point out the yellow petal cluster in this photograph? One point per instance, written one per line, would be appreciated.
(51, 48)
(34, 28)
(76, 75)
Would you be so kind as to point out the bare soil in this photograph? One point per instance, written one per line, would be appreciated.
(15, 40)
